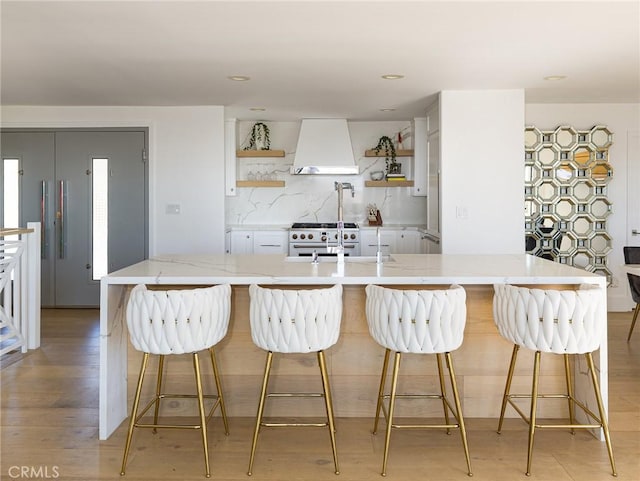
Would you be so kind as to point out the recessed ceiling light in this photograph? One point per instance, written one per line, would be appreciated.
(239, 78)
(392, 76)
(387, 110)
(257, 109)
(555, 77)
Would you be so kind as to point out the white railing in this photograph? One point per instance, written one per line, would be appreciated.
(20, 288)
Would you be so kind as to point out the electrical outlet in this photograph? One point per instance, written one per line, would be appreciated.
(173, 209)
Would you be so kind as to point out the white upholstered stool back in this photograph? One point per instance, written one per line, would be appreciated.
(299, 321)
(417, 321)
(295, 321)
(555, 322)
(547, 320)
(178, 321)
(171, 322)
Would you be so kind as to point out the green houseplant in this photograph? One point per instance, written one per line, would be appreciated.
(385, 144)
(259, 137)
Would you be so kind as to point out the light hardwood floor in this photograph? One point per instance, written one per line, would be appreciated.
(49, 421)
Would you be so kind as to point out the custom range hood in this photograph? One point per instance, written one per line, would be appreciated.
(324, 147)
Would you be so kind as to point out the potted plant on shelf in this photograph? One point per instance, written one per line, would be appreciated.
(385, 144)
(259, 137)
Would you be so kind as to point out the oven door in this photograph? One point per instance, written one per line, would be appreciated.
(301, 249)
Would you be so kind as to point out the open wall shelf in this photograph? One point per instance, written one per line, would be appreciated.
(260, 183)
(259, 153)
(387, 183)
(399, 153)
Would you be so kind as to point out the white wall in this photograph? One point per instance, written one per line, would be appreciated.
(312, 198)
(482, 173)
(621, 119)
(186, 166)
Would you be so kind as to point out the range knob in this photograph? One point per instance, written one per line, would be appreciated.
(323, 238)
(294, 236)
(310, 236)
(335, 236)
(353, 236)
(346, 237)
(302, 236)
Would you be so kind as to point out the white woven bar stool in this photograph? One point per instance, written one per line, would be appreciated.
(177, 322)
(557, 322)
(417, 322)
(295, 321)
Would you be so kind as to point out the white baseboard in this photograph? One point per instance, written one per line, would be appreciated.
(619, 303)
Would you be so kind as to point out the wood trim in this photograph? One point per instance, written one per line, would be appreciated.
(399, 153)
(259, 153)
(260, 183)
(387, 183)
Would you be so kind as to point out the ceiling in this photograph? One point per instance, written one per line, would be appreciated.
(315, 58)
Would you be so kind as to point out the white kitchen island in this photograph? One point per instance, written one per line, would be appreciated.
(354, 363)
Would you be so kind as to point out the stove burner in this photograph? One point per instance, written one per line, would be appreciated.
(322, 225)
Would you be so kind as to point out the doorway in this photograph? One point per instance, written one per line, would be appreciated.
(89, 190)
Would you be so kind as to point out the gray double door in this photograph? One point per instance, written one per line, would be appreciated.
(57, 186)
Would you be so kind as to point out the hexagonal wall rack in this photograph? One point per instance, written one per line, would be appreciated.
(566, 206)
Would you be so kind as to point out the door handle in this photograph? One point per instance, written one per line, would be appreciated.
(60, 219)
(635, 232)
(43, 218)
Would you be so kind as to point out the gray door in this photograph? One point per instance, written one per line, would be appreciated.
(35, 153)
(59, 167)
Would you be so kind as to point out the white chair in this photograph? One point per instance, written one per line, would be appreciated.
(558, 322)
(417, 322)
(295, 321)
(177, 322)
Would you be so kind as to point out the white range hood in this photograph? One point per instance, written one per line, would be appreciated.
(324, 147)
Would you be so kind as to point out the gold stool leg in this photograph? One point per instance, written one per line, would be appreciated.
(534, 405)
(603, 415)
(507, 387)
(203, 417)
(134, 411)
(216, 377)
(383, 378)
(329, 406)
(392, 404)
(633, 322)
(443, 391)
(567, 372)
(456, 398)
(263, 395)
(158, 391)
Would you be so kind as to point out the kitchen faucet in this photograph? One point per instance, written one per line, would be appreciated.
(340, 186)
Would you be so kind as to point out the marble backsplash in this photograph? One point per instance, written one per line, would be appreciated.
(312, 198)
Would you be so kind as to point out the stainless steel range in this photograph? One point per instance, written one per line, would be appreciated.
(307, 237)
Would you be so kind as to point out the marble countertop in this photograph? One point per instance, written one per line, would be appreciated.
(399, 269)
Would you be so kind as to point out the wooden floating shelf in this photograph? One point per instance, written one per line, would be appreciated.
(399, 153)
(387, 183)
(260, 183)
(259, 153)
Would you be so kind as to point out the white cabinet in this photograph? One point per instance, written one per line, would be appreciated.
(241, 242)
(433, 170)
(230, 156)
(271, 242)
(259, 242)
(369, 241)
(407, 242)
(420, 166)
(392, 241)
(433, 118)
